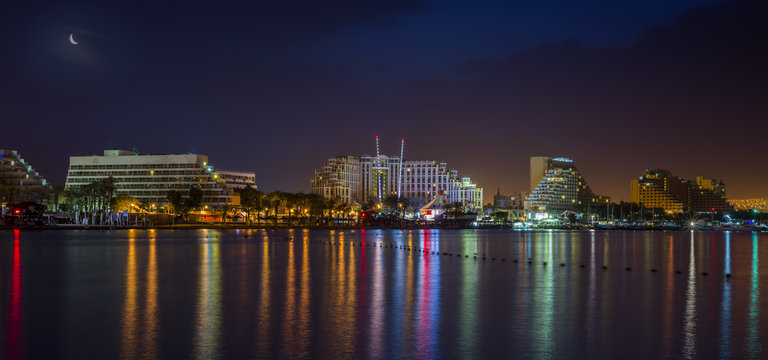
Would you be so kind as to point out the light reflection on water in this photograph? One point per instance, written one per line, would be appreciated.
(468, 305)
(725, 311)
(264, 312)
(689, 319)
(381, 294)
(754, 346)
(139, 333)
(208, 317)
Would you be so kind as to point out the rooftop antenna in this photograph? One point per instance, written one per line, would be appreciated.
(400, 173)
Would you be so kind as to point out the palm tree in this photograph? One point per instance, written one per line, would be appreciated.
(258, 206)
(302, 205)
(342, 209)
(57, 191)
(224, 211)
(455, 208)
(317, 206)
(250, 201)
(290, 204)
(107, 188)
(274, 200)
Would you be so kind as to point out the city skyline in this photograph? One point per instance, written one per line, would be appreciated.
(627, 88)
(383, 179)
(533, 174)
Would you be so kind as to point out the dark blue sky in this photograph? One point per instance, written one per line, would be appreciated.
(278, 87)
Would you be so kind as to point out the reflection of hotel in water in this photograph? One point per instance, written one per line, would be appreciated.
(140, 316)
(339, 296)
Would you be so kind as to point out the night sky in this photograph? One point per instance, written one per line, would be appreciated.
(278, 87)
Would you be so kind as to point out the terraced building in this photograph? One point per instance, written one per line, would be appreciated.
(558, 187)
(19, 182)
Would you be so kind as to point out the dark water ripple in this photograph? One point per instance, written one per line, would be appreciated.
(383, 294)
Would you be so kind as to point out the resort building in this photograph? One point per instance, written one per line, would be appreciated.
(338, 178)
(148, 178)
(19, 182)
(237, 179)
(559, 188)
(658, 188)
(516, 201)
(373, 178)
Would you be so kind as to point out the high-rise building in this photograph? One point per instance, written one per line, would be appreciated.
(376, 177)
(380, 177)
(560, 188)
(466, 192)
(19, 181)
(338, 178)
(708, 195)
(516, 201)
(148, 178)
(541, 164)
(658, 188)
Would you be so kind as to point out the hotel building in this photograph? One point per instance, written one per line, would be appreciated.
(376, 177)
(148, 178)
(339, 178)
(557, 187)
(25, 184)
(658, 188)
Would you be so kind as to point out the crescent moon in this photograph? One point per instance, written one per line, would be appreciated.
(72, 39)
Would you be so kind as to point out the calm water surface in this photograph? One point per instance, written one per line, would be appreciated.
(231, 294)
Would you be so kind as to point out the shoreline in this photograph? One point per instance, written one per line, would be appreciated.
(302, 227)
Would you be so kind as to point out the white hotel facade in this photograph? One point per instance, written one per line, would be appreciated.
(359, 179)
(148, 178)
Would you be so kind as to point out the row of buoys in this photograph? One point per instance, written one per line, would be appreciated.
(428, 251)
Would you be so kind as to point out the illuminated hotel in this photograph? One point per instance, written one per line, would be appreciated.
(558, 187)
(658, 188)
(360, 179)
(338, 178)
(148, 178)
(27, 183)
